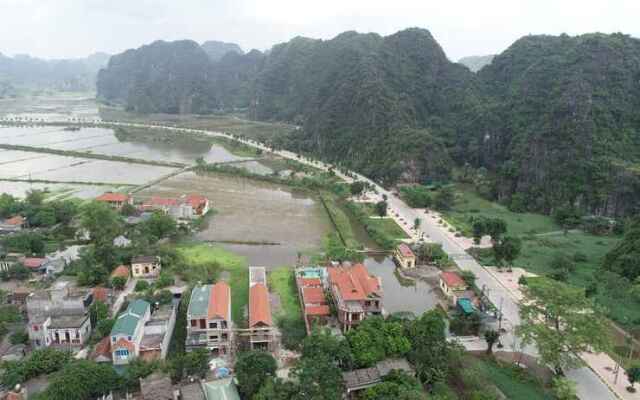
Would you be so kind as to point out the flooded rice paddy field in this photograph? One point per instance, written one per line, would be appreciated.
(105, 141)
(250, 213)
(57, 190)
(52, 107)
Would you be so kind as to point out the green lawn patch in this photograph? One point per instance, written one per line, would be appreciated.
(468, 203)
(206, 263)
(340, 220)
(515, 383)
(384, 231)
(282, 282)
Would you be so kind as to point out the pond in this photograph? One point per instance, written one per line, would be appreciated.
(402, 294)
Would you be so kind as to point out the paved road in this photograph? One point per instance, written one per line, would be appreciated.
(589, 385)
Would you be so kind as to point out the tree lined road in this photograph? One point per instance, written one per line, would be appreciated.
(589, 385)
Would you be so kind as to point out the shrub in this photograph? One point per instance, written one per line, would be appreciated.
(141, 286)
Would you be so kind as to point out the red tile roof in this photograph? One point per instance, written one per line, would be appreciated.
(354, 283)
(195, 200)
(33, 262)
(309, 282)
(121, 270)
(259, 307)
(313, 295)
(317, 310)
(219, 301)
(17, 220)
(101, 294)
(405, 251)
(113, 197)
(103, 348)
(452, 279)
(124, 343)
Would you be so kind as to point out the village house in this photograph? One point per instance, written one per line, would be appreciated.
(127, 332)
(404, 256)
(361, 379)
(158, 331)
(145, 267)
(314, 304)
(261, 330)
(156, 386)
(452, 285)
(209, 322)
(59, 316)
(13, 224)
(115, 200)
(184, 208)
(356, 294)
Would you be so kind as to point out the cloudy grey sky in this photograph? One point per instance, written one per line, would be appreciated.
(75, 28)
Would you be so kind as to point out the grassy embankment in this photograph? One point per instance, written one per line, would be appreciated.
(384, 231)
(512, 382)
(542, 240)
(207, 264)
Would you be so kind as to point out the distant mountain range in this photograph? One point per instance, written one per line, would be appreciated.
(23, 72)
(551, 122)
(475, 63)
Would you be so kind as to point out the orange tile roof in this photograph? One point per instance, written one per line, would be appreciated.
(309, 282)
(313, 295)
(452, 279)
(103, 348)
(317, 310)
(405, 250)
(259, 307)
(195, 200)
(16, 220)
(121, 270)
(354, 283)
(124, 343)
(219, 301)
(33, 262)
(113, 197)
(100, 294)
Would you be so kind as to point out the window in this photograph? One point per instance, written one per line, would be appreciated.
(122, 353)
(194, 322)
(213, 325)
(113, 339)
(37, 342)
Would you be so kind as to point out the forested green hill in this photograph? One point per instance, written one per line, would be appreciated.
(553, 120)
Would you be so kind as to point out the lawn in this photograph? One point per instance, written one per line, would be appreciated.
(282, 283)
(514, 383)
(386, 225)
(468, 204)
(205, 263)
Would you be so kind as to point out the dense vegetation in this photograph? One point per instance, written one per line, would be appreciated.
(550, 123)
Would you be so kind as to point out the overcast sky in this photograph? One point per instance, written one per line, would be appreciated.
(76, 28)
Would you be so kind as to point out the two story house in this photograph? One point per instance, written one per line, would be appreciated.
(126, 334)
(356, 294)
(145, 267)
(209, 322)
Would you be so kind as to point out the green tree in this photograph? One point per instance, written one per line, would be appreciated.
(624, 258)
(507, 249)
(19, 337)
(561, 322)
(478, 226)
(495, 227)
(444, 199)
(430, 353)
(491, 337)
(159, 226)
(564, 389)
(102, 222)
(104, 326)
(381, 208)
(97, 312)
(141, 286)
(397, 385)
(118, 282)
(376, 339)
(253, 368)
(633, 375)
(356, 188)
(416, 223)
(277, 389)
(81, 380)
(196, 362)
